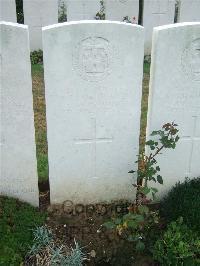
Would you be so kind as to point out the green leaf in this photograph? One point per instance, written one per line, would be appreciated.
(128, 216)
(117, 221)
(131, 238)
(157, 168)
(139, 218)
(143, 209)
(152, 148)
(153, 133)
(145, 190)
(132, 223)
(109, 225)
(153, 195)
(140, 246)
(154, 189)
(159, 179)
(149, 142)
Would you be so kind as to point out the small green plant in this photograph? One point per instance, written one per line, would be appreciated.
(19, 11)
(101, 14)
(36, 57)
(75, 258)
(42, 238)
(138, 223)
(183, 200)
(127, 19)
(47, 251)
(148, 169)
(178, 246)
(62, 13)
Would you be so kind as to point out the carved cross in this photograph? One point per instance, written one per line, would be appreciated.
(93, 141)
(192, 138)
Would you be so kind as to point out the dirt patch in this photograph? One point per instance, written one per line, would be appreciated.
(84, 224)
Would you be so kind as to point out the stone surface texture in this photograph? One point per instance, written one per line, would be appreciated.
(156, 13)
(118, 9)
(189, 11)
(39, 13)
(18, 168)
(8, 11)
(93, 86)
(175, 96)
(82, 9)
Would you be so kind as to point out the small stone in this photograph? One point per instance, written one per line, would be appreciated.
(93, 253)
(68, 206)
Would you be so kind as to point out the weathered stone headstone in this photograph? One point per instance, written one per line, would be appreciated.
(175, 96)
(8, 10)
(189, 10)
(117, 10)
(93, 76)
(39, 13)
(156, 13)
(18, 175)
(82, 9)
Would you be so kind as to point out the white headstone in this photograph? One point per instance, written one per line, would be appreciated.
(39, 13)
(156, 13)
(18, 175)
(189, 10)
(8, 10)
(93, 83)
(175, 96)
(118, 9)
(82, 9)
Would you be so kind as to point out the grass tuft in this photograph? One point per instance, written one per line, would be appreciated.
(17, 219)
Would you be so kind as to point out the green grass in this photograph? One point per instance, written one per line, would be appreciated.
(146, 67)
(17, 220)
(42, 165)
(37, 68)
(144, 105)
(40, 121)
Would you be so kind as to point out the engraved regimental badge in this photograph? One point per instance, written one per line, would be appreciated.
(92, 58)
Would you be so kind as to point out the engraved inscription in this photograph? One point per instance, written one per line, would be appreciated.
(123, 1)
(191, 60)
(92, 58)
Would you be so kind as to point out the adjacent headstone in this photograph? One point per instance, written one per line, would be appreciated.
(118, 10)
(175, 96)
(189, 10)
(93, 83)
(8, 10)
(82, 9)
(156, 13)
(39, 13)
(18, 175)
